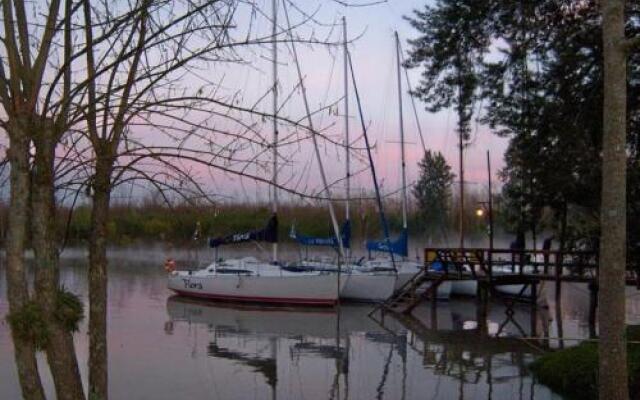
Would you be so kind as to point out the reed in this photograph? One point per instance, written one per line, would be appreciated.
(149, 221)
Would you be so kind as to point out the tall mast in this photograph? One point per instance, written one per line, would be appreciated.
(274, 179)
(383, 220)
(461, 203)
(325, 184)
(346, 126)
(404, 164)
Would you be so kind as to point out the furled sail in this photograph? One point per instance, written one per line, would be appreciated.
(345, 234)
(268, 234)
(399, 246)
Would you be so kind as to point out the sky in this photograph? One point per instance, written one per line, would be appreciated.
(371, 34)
(374, 52)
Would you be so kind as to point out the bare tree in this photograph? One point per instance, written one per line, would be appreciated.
(34, 123)
(98, 74)
(134, 80)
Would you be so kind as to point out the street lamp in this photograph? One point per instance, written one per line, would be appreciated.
(485, 211)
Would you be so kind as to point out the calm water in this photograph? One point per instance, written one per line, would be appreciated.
(165, 347)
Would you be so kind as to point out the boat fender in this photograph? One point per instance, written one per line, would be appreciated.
(169, 265)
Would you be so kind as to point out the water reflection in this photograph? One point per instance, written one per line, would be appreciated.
(346, 354)
(165, 347)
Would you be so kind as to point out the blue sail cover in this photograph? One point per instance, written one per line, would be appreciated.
(267, 234)
(331, 241)
(399, 246)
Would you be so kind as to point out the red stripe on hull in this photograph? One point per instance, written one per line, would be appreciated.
(270, 300)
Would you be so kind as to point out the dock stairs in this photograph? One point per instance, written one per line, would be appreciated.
(408, 296)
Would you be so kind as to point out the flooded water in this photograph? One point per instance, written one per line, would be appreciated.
(166, 347)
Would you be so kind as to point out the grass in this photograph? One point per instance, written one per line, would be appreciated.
(573, 372)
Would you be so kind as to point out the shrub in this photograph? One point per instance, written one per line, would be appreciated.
(573, 372)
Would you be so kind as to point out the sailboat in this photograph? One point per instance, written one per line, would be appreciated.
(406, 268)
(361, 283)
(247, 279)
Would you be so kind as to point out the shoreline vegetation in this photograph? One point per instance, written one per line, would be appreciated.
(573, 372)
(143, 223)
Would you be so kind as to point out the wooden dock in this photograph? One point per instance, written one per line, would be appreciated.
(507, 266)
(493, 268)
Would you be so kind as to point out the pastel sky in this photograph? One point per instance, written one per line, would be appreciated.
(371, 30)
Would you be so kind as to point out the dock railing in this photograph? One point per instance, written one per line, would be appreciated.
(488, 264)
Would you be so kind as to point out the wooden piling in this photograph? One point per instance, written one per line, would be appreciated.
(593, 306)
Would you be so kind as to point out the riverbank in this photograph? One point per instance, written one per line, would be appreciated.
(573, 372)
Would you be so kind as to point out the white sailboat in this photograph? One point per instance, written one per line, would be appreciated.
(361, 283)
(246, 279)
(249, 280)
(405, 268)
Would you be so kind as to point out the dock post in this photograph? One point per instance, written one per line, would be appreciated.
(534, 309)
(482, 305)
(558, 316)
(433, 314)
(593, 306)
(558, 281)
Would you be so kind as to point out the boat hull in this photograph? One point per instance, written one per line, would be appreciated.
(443, 292)
(514, 290)
(464, 288)
(308, 289)
(368, 287)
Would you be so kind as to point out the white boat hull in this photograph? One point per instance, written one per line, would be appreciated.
(368, 286)
(361, 284)
(300, 289)
(464, 288)
(443, 292)
(514, 290)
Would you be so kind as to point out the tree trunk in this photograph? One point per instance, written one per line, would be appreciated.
(17, 291)
(60, 351)
(98, 360)
(613, 382)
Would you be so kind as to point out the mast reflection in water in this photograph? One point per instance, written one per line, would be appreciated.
(164, 347)
(291, 354)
